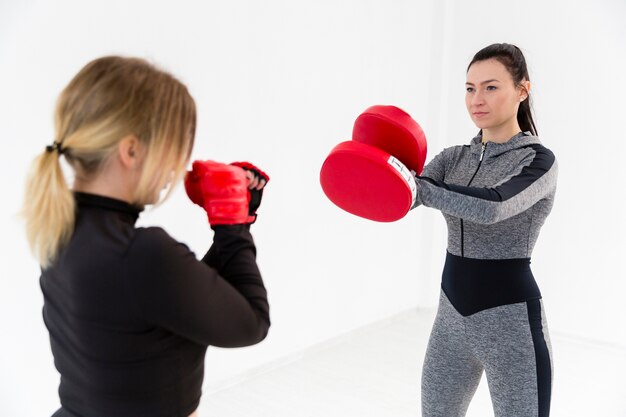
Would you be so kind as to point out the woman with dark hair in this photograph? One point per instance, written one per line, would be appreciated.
(129, 309)
(495, 195)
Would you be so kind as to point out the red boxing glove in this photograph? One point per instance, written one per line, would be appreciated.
(221, 190)
(255, 170)
(254, 195)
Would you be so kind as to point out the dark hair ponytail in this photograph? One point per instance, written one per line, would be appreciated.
(513, 59)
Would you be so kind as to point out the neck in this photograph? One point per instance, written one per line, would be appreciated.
(501, 133)
(113, 179)
(101, 186)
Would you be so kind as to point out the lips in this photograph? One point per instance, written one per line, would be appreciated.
(480, 113)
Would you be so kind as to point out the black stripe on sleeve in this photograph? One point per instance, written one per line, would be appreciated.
(541, 163)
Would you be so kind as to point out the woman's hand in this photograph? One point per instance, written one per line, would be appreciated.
(257, 180)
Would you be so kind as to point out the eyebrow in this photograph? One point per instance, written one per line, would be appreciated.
(484, 82)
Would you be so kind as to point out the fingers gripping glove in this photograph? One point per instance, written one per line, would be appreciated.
(254, 196)
(221, 190)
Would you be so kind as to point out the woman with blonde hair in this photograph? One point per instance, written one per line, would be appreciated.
(130, 310)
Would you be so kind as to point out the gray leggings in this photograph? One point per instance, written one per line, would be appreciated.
(510, 342)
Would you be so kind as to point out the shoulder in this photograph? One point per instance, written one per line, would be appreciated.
(541, 154)
(537, 160)
(456, 149)
(451, 152)
(536, 144)
(151, 238)
(153, 247)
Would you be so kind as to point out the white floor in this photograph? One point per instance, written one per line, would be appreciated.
(375, 371)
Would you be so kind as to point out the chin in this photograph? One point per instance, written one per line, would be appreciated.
(482, 124)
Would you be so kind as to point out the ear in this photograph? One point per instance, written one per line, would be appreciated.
(524, 90)
(128, 151)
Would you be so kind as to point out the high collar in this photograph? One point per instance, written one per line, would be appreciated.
(107, 203)
(493, 149)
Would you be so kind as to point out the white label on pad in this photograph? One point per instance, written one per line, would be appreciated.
(406, 174)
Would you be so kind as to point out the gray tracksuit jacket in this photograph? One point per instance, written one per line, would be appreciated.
(494, 197)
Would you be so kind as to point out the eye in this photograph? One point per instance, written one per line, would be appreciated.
(469, 89)
(491, 88)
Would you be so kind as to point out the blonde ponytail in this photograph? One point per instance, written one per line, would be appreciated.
(109, 99)
(48, 208)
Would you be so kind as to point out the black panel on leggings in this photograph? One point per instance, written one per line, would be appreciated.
(473, 285)
(542, 357)
(131, 311)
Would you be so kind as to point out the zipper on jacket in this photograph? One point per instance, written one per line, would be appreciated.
(480, 161)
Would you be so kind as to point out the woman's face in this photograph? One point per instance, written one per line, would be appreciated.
(491, 97)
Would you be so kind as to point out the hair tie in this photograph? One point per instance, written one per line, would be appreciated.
(56, 146)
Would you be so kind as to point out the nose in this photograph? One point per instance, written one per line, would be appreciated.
(477, 99)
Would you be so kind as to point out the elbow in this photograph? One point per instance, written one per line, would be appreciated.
(248, 332)
(264, 332)
(262, 329)
(249, 335)
(257, 330)
(258, 334)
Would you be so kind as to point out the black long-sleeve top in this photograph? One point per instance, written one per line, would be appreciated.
(131, 311)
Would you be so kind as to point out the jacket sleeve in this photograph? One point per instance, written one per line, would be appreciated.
(221, 301)
(435, 170)
(533, 180)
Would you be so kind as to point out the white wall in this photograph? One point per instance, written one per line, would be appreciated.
(280, 83)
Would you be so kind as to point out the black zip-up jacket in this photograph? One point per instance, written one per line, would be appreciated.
(131, 311)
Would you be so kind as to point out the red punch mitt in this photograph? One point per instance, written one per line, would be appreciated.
(392, 130)
(371, 176)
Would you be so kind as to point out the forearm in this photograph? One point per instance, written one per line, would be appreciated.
(486, 205)
(233, 255)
